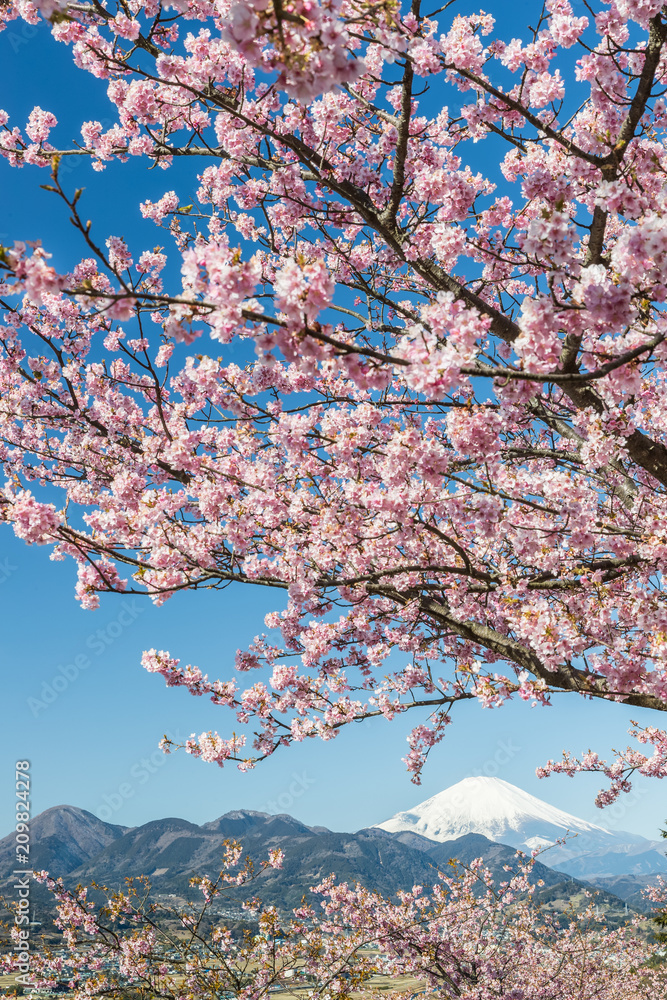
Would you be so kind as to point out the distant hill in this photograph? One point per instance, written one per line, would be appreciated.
(170, 851)
(73, 843)
(559, 890)
(626, 860)
(626, 887)
(61, 839)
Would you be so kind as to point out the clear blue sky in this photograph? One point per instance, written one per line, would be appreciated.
(94, 745)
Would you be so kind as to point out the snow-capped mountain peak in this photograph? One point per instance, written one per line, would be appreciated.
(508, 815)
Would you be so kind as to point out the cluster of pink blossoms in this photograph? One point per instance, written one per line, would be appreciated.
(426, 400)
(446, 937)
(310, 46)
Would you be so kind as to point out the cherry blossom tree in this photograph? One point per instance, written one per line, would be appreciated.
(443, 253)
(468, 937)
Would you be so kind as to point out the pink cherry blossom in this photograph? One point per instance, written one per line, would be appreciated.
(446, 936)
(40, 124)
(398, 355)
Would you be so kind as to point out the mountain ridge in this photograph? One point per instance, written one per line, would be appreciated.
(62, 838)
(385, 858)
(171, 850)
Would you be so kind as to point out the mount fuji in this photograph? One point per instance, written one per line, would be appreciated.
(508, 815)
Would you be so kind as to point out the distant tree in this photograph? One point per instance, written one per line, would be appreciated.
(448, 252)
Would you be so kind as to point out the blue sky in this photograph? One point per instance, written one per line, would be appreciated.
(80, 707)
(94, 743)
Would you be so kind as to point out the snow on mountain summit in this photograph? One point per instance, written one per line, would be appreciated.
(506, 814)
